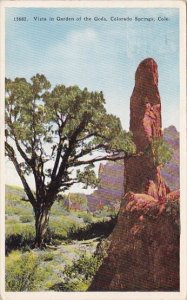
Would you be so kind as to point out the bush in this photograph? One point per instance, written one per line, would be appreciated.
(60, 227)
(75, 285)
(21, 271)
(100, 229)
(19, 208)
(19, 236)
(78, 276)
(47, 256)
(88, 218)
(85, 266)
(26, 219)
(162, 153)
(9, 210)
(106, 212)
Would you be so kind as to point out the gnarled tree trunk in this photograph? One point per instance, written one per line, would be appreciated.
(41, 225)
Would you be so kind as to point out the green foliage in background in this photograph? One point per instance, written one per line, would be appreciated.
(162, 153)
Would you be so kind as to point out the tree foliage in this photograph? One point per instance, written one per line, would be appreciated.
(50, 132)
(162, 153)
(63, 126)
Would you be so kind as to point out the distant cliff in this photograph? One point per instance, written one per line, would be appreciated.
(111, 187)
(170, 172)
(111, 175)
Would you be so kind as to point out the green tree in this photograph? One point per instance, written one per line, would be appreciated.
(50, 132)
(161, 152)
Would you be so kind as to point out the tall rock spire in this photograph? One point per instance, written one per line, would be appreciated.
(143, 249)
(142, 175)
(145, 105)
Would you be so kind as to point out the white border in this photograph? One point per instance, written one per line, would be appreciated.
(2, 162)
(183, 152)
(97, 3)
(183, 165)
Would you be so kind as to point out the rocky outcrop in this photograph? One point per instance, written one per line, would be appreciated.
(144, 246)
(111, 187)
(144, 249)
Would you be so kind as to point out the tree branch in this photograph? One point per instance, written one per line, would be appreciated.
(24, 156)
(72, 141)
(107, 158)
(93, 134)
(87, 137)
(12, 156)
(55, 184)
(88, 151)
(59, 150)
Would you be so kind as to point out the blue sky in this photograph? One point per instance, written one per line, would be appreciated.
(97, 55)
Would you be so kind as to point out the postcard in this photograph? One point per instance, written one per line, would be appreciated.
(93, 150)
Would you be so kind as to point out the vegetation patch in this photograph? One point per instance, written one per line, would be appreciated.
(101, 229)
(72, 240)
(21, 271)
(78, 275)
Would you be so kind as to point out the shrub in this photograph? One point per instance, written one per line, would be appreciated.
(19, 236)
(26, 219)
(100, 229)
(19, 208)
(47, 256)
(61, 226)
(88, 218)
(21, 271)
(85, 266)
(162, 153)
(75, 285)
(78, 276)
(106, 211)
(9, 210)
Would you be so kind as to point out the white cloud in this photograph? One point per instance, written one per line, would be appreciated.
(75, 42)
(87, 34)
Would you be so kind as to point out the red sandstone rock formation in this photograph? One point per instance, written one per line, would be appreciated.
(142, 176)
(145, 105)
(144, 247)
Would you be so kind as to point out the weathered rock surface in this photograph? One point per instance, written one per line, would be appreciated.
(145, 105)
(145, 124)
(144, 250)
(144, 246)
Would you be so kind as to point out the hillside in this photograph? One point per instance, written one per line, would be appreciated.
(170, 172)
(111, 187)
(111, 176)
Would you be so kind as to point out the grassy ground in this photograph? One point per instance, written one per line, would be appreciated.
(68, 264)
